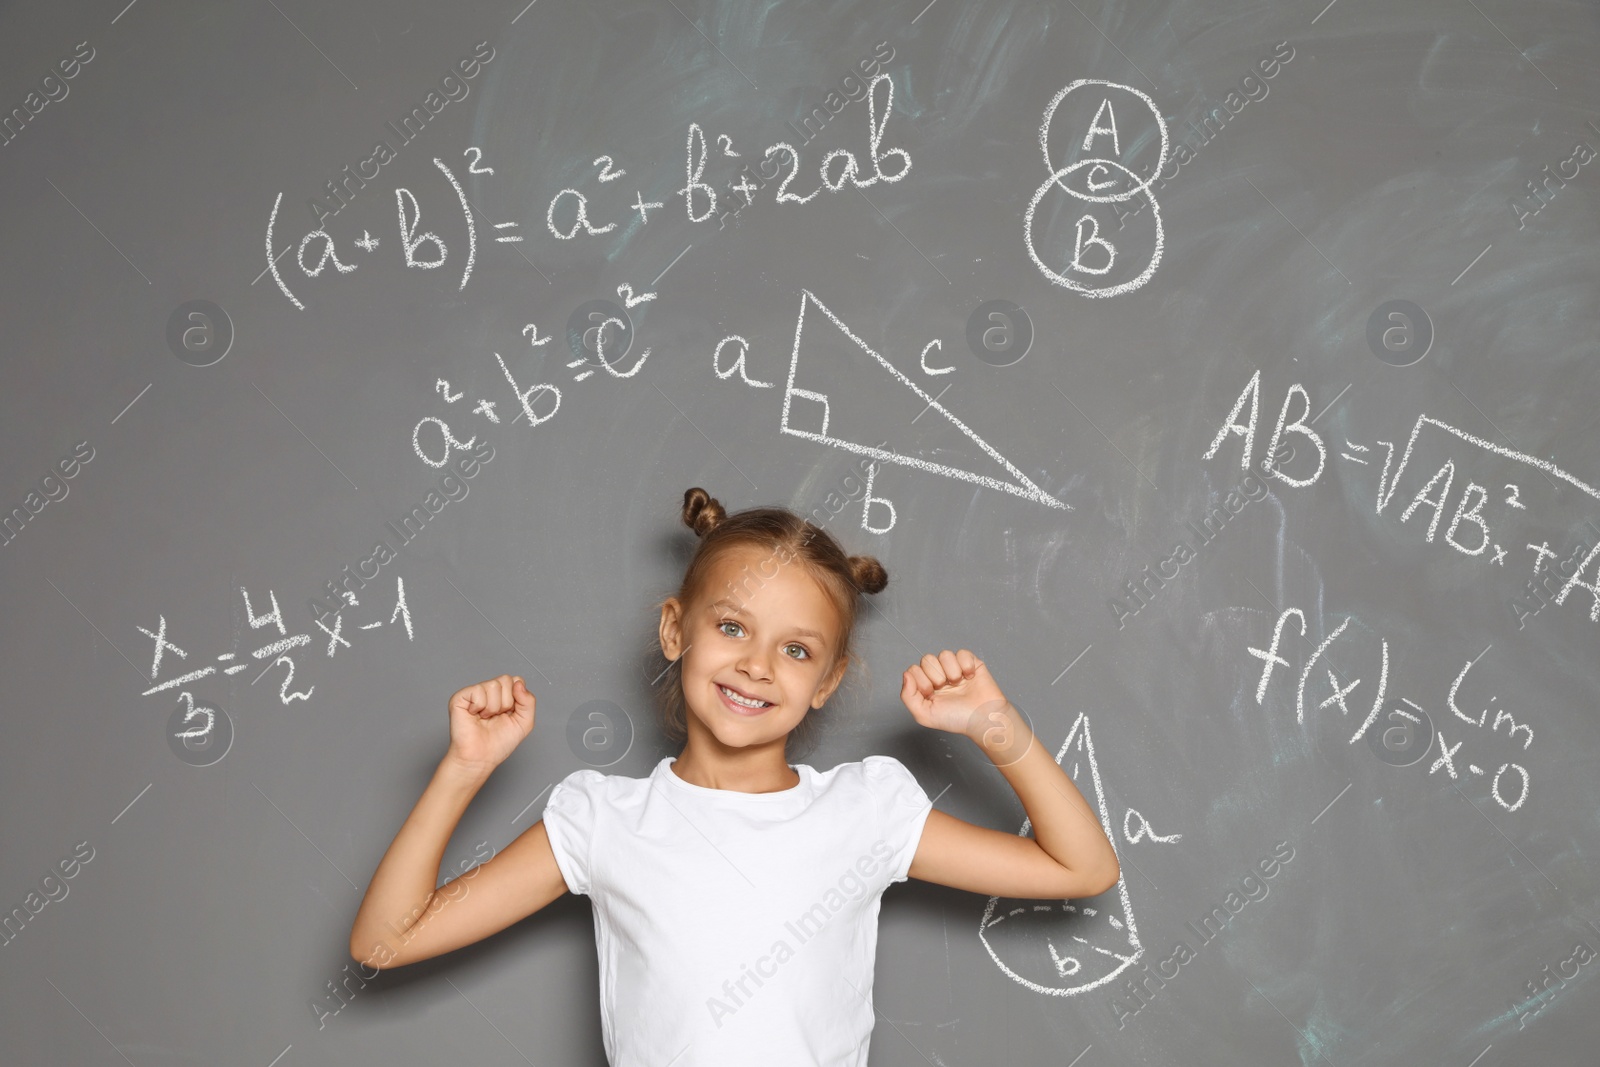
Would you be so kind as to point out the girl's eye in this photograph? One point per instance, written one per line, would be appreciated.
(805, 653)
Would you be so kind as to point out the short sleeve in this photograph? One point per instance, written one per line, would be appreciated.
(903, 808)
(569, 817)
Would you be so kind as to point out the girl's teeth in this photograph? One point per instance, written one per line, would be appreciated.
(737, 699)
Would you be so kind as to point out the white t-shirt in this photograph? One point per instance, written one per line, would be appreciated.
(736, 928)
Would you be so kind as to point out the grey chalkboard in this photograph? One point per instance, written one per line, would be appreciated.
(1224, 374)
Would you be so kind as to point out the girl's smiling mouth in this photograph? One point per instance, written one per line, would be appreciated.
(737, 702)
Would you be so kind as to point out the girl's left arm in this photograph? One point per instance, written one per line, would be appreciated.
(1068, 854)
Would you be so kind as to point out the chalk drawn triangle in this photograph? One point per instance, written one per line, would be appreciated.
(1066, 948)
(1018, 485)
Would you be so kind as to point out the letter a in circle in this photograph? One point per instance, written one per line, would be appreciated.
(1095, 127)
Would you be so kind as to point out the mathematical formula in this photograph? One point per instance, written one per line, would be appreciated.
(568, 212)
(1468, 519)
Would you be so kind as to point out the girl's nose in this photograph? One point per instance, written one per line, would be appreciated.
(755, 664)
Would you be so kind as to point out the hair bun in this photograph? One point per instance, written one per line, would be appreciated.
(870, 577)
(701, 512)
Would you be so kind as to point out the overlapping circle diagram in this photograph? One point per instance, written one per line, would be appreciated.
(1099, 253)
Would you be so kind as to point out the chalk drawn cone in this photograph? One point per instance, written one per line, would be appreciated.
(1066, 947)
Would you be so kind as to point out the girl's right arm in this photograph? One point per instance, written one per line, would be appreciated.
(404, 917)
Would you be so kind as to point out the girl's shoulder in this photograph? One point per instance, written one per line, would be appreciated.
(882, 776)
(875, 767)
(882, 765)
(589, 784)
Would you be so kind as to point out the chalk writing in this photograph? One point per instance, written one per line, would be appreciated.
(839, 169)
(1509, 784)
(1089, 270)
(1471, 530)
(1019, 485)
(1547, 581)
(1047, 947)
(738, 363)
(581, 206)
(753, 177)
(1247, 430)
(421, 249)
(274, 650)
(277, 651)
(832, 178)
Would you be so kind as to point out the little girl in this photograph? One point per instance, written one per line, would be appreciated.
(736, 896)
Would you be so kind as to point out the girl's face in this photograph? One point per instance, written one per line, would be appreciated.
(762, 631)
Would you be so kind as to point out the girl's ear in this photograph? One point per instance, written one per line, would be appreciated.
(831, 683)
(670, 631)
